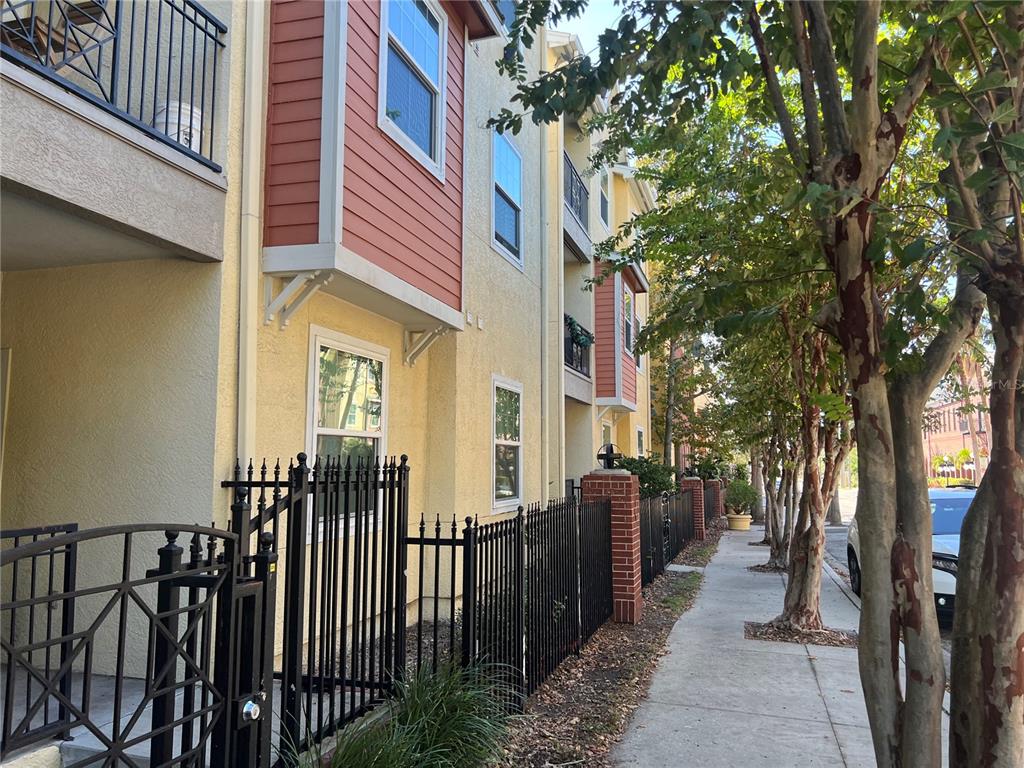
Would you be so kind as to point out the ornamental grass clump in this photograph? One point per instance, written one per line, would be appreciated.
(451, 718)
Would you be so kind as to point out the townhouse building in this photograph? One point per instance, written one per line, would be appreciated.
(421, 270)
(122, 205)
(253, 230)
(259, 229)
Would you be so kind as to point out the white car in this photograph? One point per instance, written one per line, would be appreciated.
(949, 505)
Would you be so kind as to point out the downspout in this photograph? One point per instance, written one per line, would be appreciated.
(545, 406)
(249, 240)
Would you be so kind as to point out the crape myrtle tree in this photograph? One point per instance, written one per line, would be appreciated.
(732, 255)
(861, 71)
(979, 100)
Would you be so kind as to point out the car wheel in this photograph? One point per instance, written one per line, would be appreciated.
(851, 559)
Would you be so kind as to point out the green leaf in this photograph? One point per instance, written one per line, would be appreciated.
(994, 79)
(1015, 140)
(913, 252)
(876, 249)
(979, 180)
(1004, 112)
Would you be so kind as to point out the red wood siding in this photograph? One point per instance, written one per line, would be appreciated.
(397, 215)
(292, 181)
(605, 298)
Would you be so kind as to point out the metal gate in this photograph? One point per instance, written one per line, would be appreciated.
(159, 665)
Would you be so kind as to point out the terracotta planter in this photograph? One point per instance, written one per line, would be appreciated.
(739, 522)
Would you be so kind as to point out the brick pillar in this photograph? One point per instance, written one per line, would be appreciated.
(623, 489)
(716, 496)
(696, 485)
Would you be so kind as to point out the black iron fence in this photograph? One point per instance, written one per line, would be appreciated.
(568, 581)
(341, 632)
(230, 674)
(157, 665)
(666, 524)
(153, 64)
(577, 197)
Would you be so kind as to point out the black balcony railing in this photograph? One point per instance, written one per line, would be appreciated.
(578, 342)
(153, 64)
(576, 195)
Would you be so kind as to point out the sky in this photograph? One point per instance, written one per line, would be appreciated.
(598, 16)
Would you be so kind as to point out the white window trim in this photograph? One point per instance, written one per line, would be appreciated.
(319, 335)
(385, 123)
(641, 435)
(607, 224)
(506, 505)
(519, 262)
(627, 344)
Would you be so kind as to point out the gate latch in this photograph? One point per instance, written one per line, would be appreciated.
(252, 709)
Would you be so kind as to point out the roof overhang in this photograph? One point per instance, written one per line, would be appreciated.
(482, 19)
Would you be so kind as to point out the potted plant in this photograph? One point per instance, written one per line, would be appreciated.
(740, 499)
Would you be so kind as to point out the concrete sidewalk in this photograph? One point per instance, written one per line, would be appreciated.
(717, 699)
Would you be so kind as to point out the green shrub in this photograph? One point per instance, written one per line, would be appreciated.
(655, 477)
(740, 497)
(452, 718)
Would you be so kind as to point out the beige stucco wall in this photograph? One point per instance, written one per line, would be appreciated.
(122, 396)
(112, 409)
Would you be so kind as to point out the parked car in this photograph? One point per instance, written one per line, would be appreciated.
(949, 505)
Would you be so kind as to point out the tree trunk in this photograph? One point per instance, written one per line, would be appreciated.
(987, 716)
(834, 515)
(758, 482)
(972, 418)
(670, 398)
(911, 562)
(778, 542)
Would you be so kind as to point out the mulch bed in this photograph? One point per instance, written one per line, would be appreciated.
(839, 638)
(765, 568)
(579, 713)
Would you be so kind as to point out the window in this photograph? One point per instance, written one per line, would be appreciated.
(604, 197)
(508, 198)
(636, 352)
(627, 313)
(412, 65)
(606, 433)
(508, 444)
(507, 11)
(639, 441)
(348, 418)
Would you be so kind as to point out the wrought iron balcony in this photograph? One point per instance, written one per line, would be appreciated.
(577, 348)
(577, 197)
(152, 64)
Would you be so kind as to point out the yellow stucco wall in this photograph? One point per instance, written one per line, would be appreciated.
(112, 406)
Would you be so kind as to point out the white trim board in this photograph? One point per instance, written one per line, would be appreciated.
(506, 505)
(436, 166)
(332, 121)
(289, 259)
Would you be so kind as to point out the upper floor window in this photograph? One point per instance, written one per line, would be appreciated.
(412, 67)
(508, 198)
(627, 313)
(604, 197)
(640, 441)
(507, 11)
